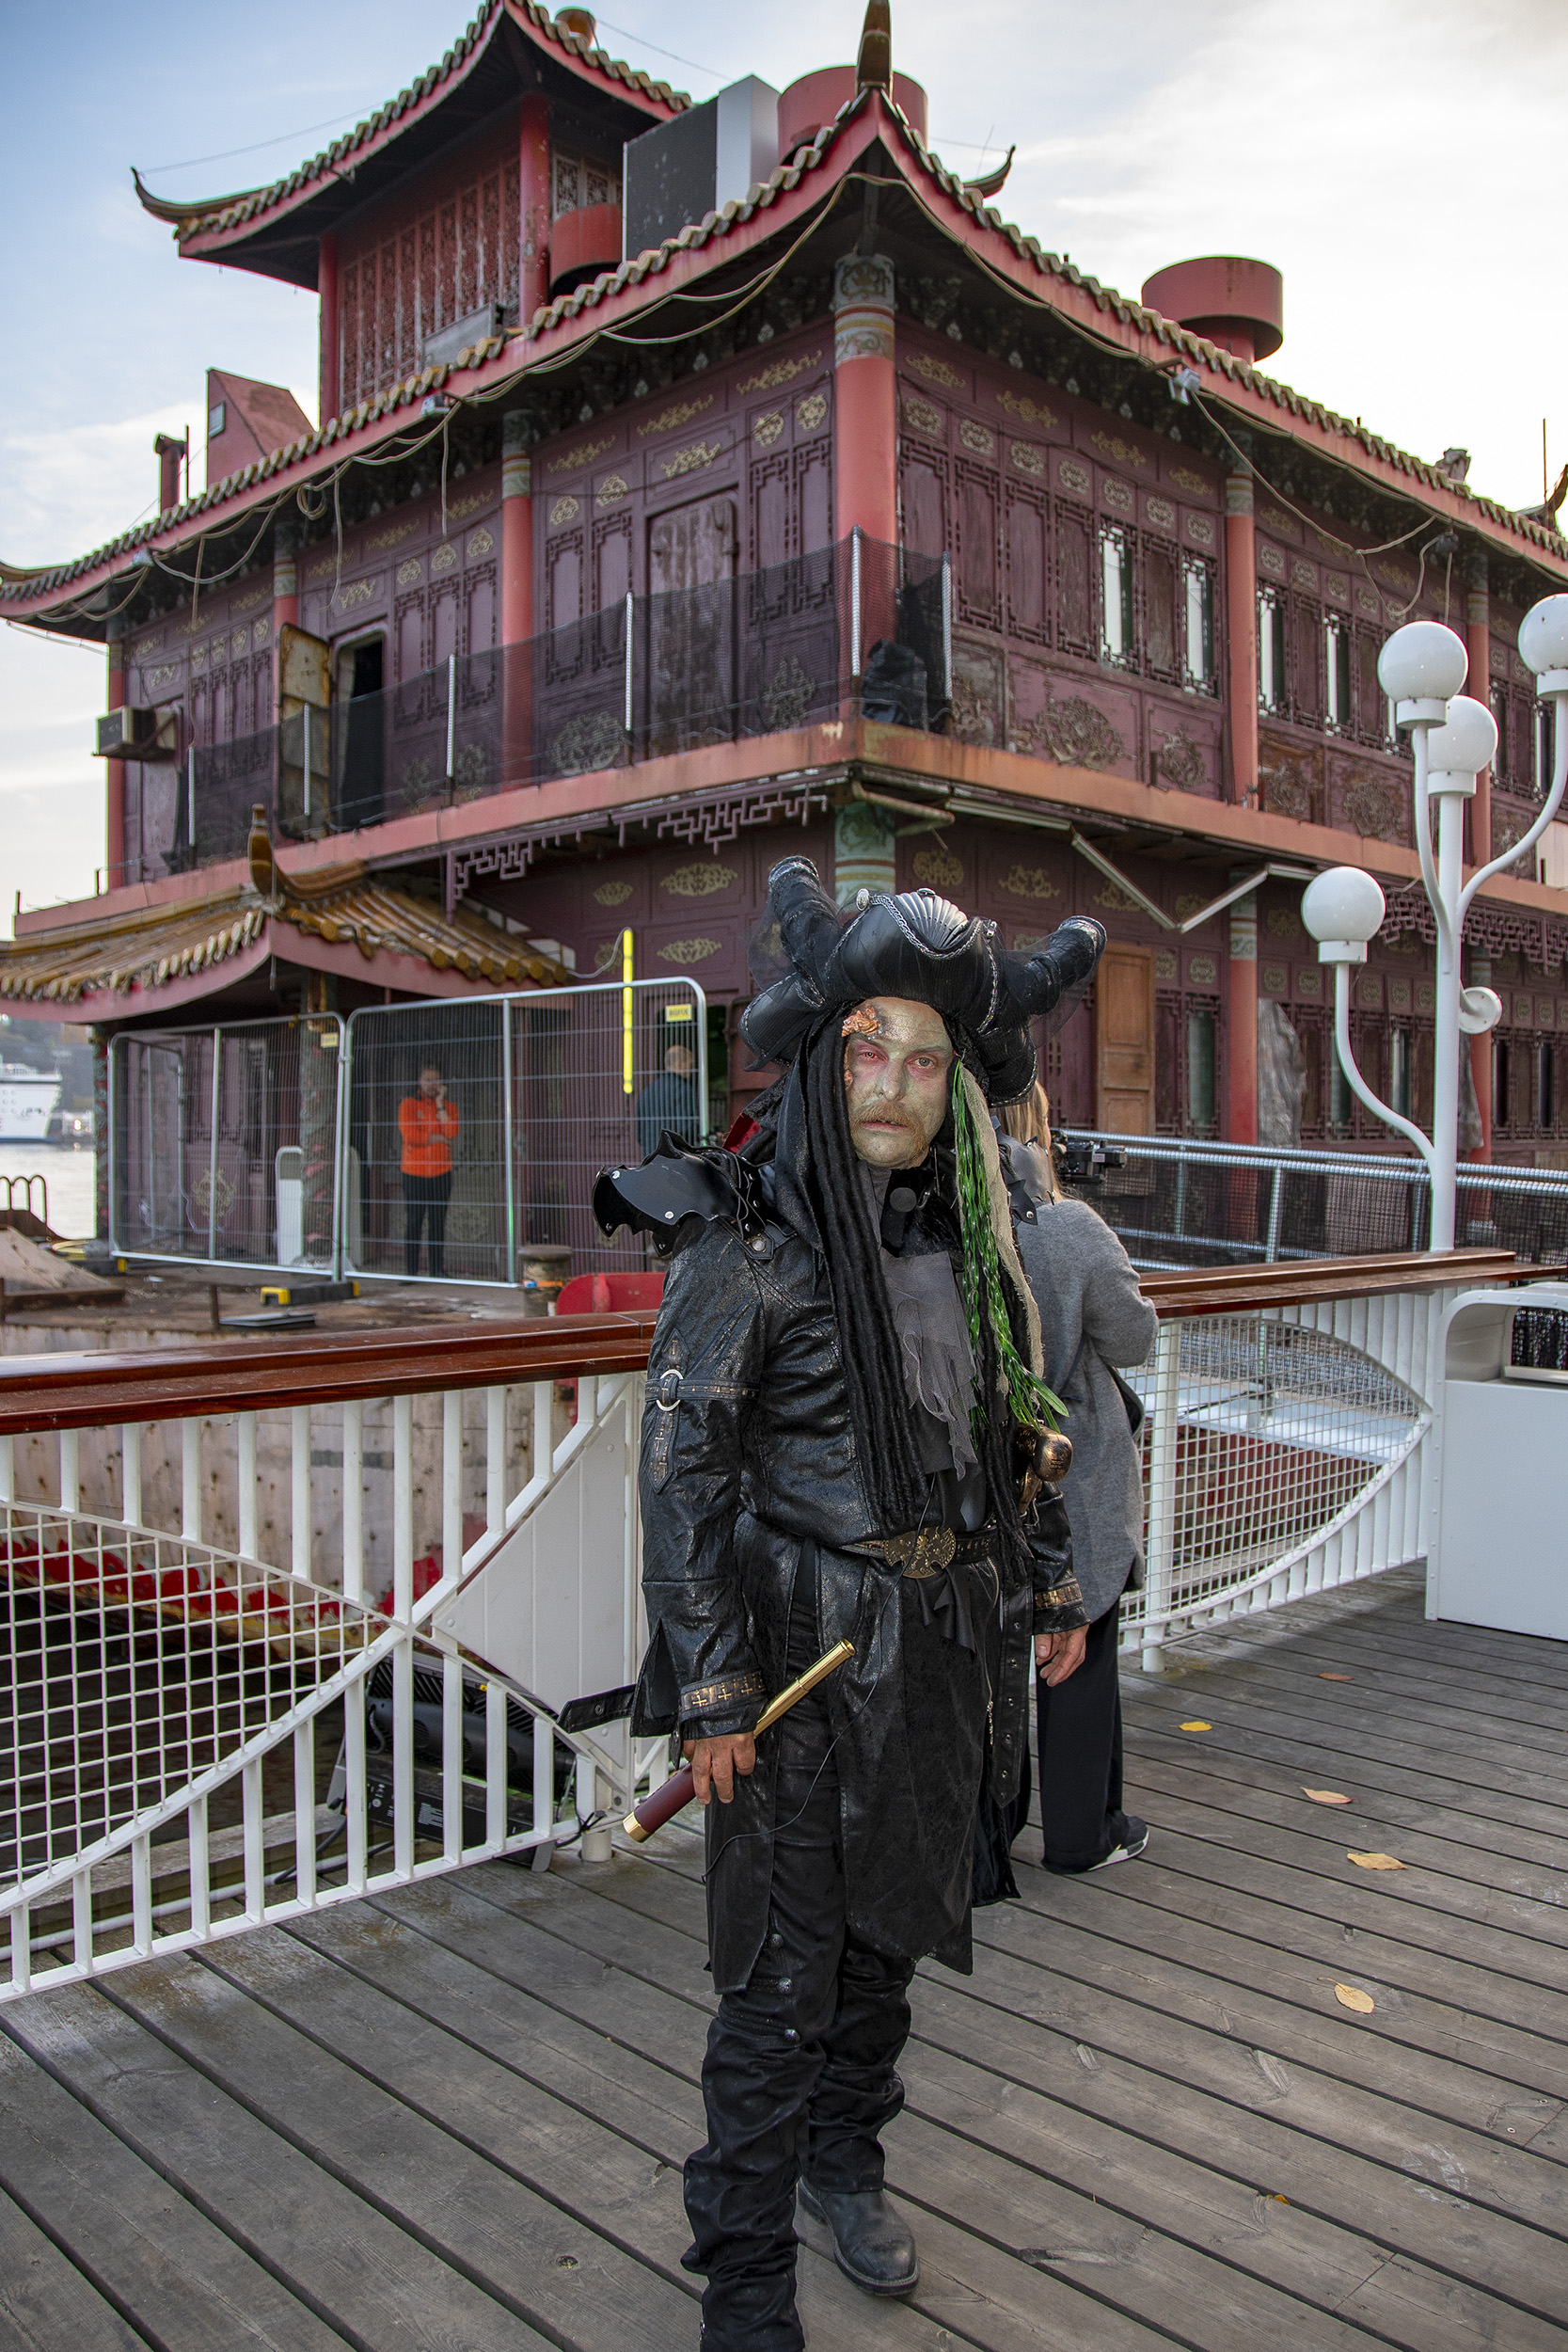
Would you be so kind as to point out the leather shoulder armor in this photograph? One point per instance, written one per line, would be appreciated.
(1024, 1173)
(678, 1180)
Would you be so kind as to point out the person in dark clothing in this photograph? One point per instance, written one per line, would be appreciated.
(670, 1102)
(1093, 1317)
(846, 1435)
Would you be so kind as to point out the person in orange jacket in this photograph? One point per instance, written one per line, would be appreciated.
(428, 1123)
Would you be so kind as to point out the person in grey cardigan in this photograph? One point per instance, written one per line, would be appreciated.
(1092, 1316)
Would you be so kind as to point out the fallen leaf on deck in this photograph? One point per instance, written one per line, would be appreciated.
(1375, 1861)
(1352, 1996)
(1195, 1726)
(1336, 1678)
(1325, 1796)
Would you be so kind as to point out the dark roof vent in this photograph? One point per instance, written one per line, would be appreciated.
(1235, 303)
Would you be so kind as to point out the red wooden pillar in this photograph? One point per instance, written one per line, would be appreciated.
(1241, 628)
(516, 619)
(1478, 634)
(533, 200)
(114, 770)
(1241, 625)
(330, 397)
(1241, 1023)
(865, 451)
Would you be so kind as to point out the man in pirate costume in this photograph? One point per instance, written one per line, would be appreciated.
(847, 1434)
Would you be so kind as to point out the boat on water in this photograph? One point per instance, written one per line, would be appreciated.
(28, 1100)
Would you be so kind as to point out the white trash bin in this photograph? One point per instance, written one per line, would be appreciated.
(1498, 1502)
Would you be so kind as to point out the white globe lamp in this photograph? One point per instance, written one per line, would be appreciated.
(1544, 643)
(1342, 910)
(1421, 669)
(1465, 744)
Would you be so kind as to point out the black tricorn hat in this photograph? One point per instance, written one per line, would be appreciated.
(918, 945)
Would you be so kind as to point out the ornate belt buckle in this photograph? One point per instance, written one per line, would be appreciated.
(922, 1552)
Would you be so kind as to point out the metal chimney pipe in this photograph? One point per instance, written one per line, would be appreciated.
(171, 454)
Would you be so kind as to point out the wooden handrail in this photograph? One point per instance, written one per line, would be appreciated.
(1234, 1290)
(108, 1385)
(97, 1388)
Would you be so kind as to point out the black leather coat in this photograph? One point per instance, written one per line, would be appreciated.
(748, 1458)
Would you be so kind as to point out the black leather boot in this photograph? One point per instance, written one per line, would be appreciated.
(873, 2244)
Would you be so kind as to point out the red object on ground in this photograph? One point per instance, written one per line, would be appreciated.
(610, 1293)
(427, 1572)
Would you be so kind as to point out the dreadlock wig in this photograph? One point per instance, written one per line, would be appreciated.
(842, 1209)
(919, 947)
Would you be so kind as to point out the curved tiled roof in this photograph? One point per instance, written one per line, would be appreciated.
(614, 291)
(218, 215)
(340, 904)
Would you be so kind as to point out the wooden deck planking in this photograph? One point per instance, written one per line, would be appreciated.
(1205, 2200)
(46, 2302)
(452, 2119)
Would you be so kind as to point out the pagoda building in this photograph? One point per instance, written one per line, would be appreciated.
(694, 482)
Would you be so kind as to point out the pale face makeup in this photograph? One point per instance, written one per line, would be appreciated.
(897, 1060)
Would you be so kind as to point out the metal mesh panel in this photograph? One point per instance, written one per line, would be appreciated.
(546, 1088)
(223, 1142)
(1260, 1434)
(133, 1663)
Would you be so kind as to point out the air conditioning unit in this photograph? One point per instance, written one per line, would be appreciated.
(681, 170)
(442, 350)
(136, 732)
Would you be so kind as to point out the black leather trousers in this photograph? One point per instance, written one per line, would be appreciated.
(801, 2067)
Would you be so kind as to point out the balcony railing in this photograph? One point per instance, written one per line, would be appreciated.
(286, 1624)
(751, 654)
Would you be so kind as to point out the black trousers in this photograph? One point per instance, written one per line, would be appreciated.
(801, 2067)
(1080, 1744)
(425, 1196)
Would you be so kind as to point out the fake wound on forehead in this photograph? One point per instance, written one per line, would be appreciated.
(900, 1022)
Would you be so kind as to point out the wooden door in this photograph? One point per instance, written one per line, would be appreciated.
(1124, 1041)
(692, 571)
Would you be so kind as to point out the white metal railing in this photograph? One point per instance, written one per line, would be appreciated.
(198, 1739)
(196, 1742)
(1282, 1455)
(1178, 1201)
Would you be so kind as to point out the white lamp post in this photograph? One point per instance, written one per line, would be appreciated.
(1421, 669)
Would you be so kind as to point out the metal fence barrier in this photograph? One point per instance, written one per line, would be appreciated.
(455, 1140)
(224, 1143)
(1176, 1203)
(540, 1090)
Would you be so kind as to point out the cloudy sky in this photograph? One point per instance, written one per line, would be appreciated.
(1396, 159)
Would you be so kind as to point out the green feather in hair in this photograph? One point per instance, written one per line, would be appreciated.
(1030, 1401)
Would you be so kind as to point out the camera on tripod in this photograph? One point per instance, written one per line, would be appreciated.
(1081, 1160)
